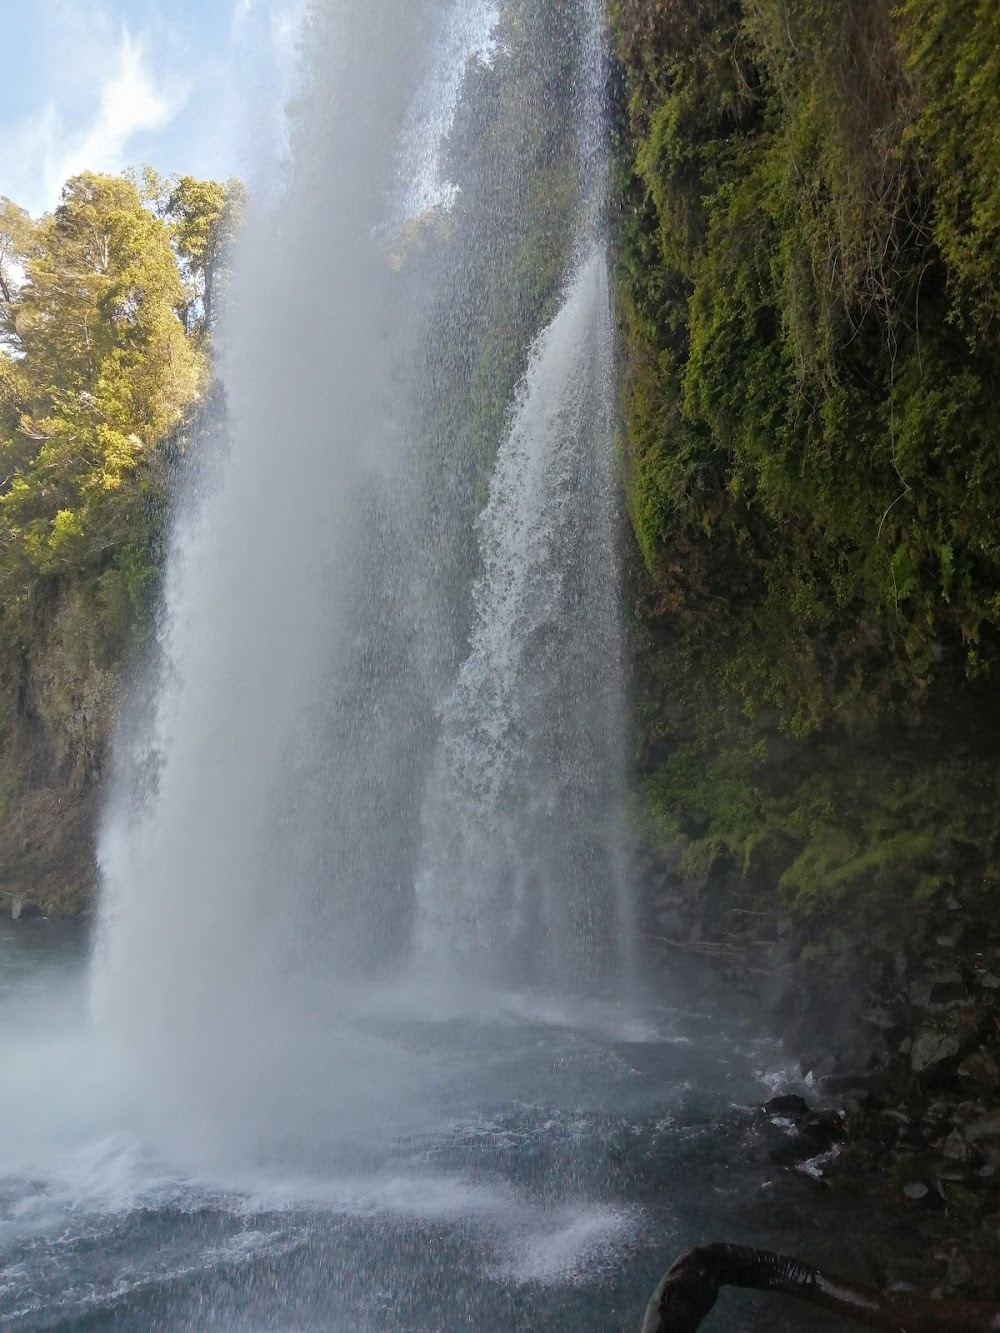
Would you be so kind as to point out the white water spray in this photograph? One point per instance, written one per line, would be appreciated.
(311, 797)
(519, 827)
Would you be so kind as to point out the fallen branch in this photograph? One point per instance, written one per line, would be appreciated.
(710, 948)
(689, 1289)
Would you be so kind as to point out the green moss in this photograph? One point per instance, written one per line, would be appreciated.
(824, 822)
(812, 382)
(808, 283)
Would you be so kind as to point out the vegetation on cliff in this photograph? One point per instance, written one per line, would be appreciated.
(105, 312)
(810, 291)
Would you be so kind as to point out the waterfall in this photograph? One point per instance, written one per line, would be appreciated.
(378, 730)
(523, 846)
(520, 842)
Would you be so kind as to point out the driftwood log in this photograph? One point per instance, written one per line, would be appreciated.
(689, 1289)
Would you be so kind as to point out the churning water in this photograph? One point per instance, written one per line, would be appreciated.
(482, 1161)
(359, 1047)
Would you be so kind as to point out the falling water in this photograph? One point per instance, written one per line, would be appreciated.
(520, 840)
(357, 756)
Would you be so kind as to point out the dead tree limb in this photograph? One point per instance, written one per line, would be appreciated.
(689, 1289)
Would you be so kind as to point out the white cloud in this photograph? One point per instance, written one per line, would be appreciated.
(40, 153)
(131, 102)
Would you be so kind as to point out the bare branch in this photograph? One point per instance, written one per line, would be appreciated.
(690, 1288)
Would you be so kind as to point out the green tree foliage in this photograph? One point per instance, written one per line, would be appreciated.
(808, 279)
(101, 371)
(105, 308)
(202, 219)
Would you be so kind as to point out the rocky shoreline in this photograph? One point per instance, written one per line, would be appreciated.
(894, 1018)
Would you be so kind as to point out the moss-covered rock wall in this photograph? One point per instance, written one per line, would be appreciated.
(808, 290)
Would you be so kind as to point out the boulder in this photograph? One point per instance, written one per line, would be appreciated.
(980, 1072)
(986, 1127)
(21, 909)
(932, 1047)
(789, 1103)
(938, 991)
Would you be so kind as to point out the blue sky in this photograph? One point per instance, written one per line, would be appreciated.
(187, 85)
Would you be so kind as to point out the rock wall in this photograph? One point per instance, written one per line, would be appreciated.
(54, 747)
(894, 1017)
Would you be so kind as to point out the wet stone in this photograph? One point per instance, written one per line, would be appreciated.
(980, 1070)
(955, 1148)
(787, 1104)
(21, 909)
(916, 1191)
(943, 994)
(931, 1048)
(921, 993)
(987, 1127)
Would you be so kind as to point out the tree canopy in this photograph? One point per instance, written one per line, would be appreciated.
(104, 305)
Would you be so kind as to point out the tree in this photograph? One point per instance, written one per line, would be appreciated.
(202, 218)
(16, 237)
(103, 371)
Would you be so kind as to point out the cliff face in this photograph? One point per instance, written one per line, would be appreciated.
(55, 751)
(811, 333)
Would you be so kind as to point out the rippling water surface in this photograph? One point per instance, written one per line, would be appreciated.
(543, 1163)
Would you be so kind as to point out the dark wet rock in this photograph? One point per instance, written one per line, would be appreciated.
(921, 993)
(787, 1104)
(883, 1018)
(932, 1047)
(987, 1127)
(900, 1028)
(955, 1148)
(844, 1085)
(980, 1072)
(22, 909)
(820, 1066)
(943, 1039)
(822, 1129)
(945, 994)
